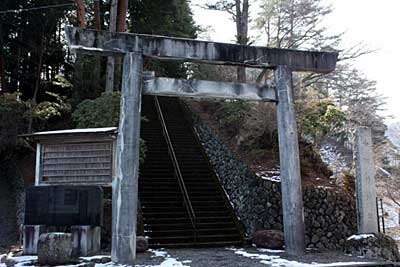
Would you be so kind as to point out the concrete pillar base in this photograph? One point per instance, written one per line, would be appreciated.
(31, 235)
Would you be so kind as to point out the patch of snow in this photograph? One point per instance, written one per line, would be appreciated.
(267, 250)
(391, 212)
(77, 131)
(95, 257)
(171, 262)
(335, 161)
(270, 175)
(158, 253)
(388, 174)
(359, 237)
(168, 262)
(20, 261)
(81, 47)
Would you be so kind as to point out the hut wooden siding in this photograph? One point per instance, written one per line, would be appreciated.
(75, 156)
(76, 163)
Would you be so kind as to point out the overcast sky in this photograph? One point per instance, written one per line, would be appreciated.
(374, 23)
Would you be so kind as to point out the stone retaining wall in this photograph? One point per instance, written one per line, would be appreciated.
(330, 216)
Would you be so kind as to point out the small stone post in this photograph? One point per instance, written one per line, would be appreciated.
(292, 197)
(31, 234)
(125, 182)
(367, 217)
(86, 239)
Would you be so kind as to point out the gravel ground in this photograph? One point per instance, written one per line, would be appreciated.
(222, 257)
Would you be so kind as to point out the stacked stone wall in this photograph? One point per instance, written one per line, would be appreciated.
(330, 215)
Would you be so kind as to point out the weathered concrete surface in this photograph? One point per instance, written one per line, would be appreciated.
(108, 43)
(292, 197)
(86, 239)
(208, 89)
(367, 217)
(31, 234)
(55, 249)
(125, 183)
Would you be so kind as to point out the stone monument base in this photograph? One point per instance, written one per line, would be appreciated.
(378, 246)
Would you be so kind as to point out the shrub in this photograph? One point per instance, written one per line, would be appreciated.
(14, 119)
(102, 112)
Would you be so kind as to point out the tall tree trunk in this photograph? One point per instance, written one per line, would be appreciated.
(111, 60)
(97, 21)
(242, 26)
(122, 10)
(2, 65)
(40, 52)
(121, 27)
(2, 74)
(81, 13)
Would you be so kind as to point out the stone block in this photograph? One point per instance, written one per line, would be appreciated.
(55, 249)
(272, 239)
(142, 244)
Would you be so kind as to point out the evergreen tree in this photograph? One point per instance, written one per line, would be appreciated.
(168, 18)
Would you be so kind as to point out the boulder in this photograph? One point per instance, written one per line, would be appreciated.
(272, 239)
(142, 244)
(56, 249)
(377, 246)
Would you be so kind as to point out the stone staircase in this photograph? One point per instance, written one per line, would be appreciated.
(200, 217)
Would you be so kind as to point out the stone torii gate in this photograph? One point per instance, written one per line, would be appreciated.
(133, 47)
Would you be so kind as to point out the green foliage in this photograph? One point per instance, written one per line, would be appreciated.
(163, 17)
(47, 111)
(233, 114)
(13, 121)
(88, 79)
(320, 118)
(102, 112)
(235, 110)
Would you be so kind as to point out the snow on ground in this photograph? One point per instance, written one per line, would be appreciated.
(335, 161)
(271, 175)
(20, 261)
(267, 250)
(391, 211)
(276, 261)
(267, 257)
(167, 262)
(359, 237)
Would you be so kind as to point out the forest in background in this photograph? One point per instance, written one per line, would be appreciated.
(45, 87)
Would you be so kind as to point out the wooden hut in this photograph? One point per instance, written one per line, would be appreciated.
(76, 156)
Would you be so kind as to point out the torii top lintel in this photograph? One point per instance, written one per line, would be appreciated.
(109, 43)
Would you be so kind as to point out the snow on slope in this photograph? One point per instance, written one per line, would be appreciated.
(393, 133)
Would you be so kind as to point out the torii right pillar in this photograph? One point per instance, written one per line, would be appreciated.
(292, 197)
(367, 216)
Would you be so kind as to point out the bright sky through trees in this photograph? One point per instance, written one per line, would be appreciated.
(374, 23)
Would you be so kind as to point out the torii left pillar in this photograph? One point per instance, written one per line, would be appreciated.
(125, 183)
